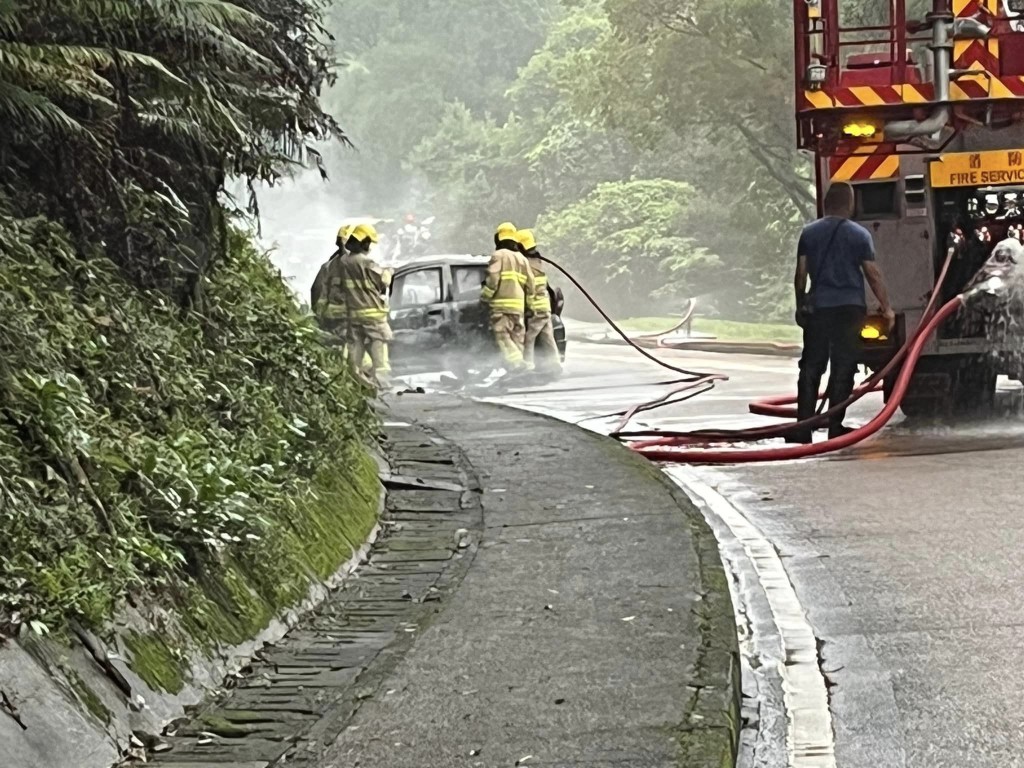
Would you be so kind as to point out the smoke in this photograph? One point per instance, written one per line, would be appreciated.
(298, 223)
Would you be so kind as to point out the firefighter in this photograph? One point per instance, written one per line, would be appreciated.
(539, 329)
(509, 281)
(328, 301)
(364, 287)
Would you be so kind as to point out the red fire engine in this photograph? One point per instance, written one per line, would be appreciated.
(922, 111)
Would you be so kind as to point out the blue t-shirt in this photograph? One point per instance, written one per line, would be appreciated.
(836, 276)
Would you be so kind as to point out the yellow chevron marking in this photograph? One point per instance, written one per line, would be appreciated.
(959, 6)
(819, 99)
(957, 93)
(890, 167)
(911, 95)
(997, 90)
(849, 169)
(867, 95)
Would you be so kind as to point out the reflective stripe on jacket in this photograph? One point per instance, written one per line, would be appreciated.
(509, 281)
(539, 302)
(360, 283)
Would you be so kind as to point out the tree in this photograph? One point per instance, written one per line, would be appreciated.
(545, 155)
(710, 86)
(123, 120)
(143, 442)
(630, 237)
(408, 65)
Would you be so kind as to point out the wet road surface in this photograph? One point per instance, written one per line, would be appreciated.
(902, 555)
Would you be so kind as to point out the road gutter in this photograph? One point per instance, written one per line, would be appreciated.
(810, 736)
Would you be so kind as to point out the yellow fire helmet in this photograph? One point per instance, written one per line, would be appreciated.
(344, 233)
(526, 239)
(364, 231)
(505, 231)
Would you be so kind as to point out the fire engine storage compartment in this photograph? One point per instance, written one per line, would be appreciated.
(885, 91)
(913, 224)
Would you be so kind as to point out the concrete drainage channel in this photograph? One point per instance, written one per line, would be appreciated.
(295, 699)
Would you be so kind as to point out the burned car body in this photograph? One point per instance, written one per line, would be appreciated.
(438, 320)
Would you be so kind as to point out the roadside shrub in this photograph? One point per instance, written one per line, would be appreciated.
(139, 444)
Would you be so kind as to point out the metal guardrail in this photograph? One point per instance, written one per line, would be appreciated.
(685, 324)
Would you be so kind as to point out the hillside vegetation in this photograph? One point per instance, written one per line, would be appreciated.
(652, 142)
(170, 425)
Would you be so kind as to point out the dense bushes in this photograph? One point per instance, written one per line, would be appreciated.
(168, 420)
(141, 445)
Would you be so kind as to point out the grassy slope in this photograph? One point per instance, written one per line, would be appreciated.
(211, 461)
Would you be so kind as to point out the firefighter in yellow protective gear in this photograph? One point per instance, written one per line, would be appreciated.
(364, 287)
(327, 300)
(539, 329)
(509, 281)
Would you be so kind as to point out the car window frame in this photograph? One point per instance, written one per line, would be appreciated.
(396, 303)
(482, 269)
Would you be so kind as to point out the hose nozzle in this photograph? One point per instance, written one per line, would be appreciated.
(993, 286)
(997, 276)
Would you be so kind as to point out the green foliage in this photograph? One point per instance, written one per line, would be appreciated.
(408, 64)
(123, 120)
(140, 446)
(544, 156)
(610, 91)
(167, 415)
(631, 233)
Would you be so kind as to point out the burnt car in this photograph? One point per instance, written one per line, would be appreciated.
(439, 322)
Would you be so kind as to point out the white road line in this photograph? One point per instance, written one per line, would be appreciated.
(810, 737)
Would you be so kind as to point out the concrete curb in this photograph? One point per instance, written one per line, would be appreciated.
(710, 732)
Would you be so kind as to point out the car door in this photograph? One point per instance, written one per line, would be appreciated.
(467, 283)
(418, 312)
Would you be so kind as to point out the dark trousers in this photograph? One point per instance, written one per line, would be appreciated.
(831, 338)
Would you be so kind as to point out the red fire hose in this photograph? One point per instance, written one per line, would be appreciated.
(693, 447)
(780, 406)
(668, 449)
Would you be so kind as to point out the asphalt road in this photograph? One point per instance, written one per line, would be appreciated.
(900, 559)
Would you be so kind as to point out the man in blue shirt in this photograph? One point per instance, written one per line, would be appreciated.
(838, 255)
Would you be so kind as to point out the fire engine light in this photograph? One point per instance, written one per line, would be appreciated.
(873, 329)
(859, 130)
(816, 76)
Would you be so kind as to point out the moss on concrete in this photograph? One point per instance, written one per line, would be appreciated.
(223, 727)
(85, 694)
(233, 599)
(155, 662)
(242, 595)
